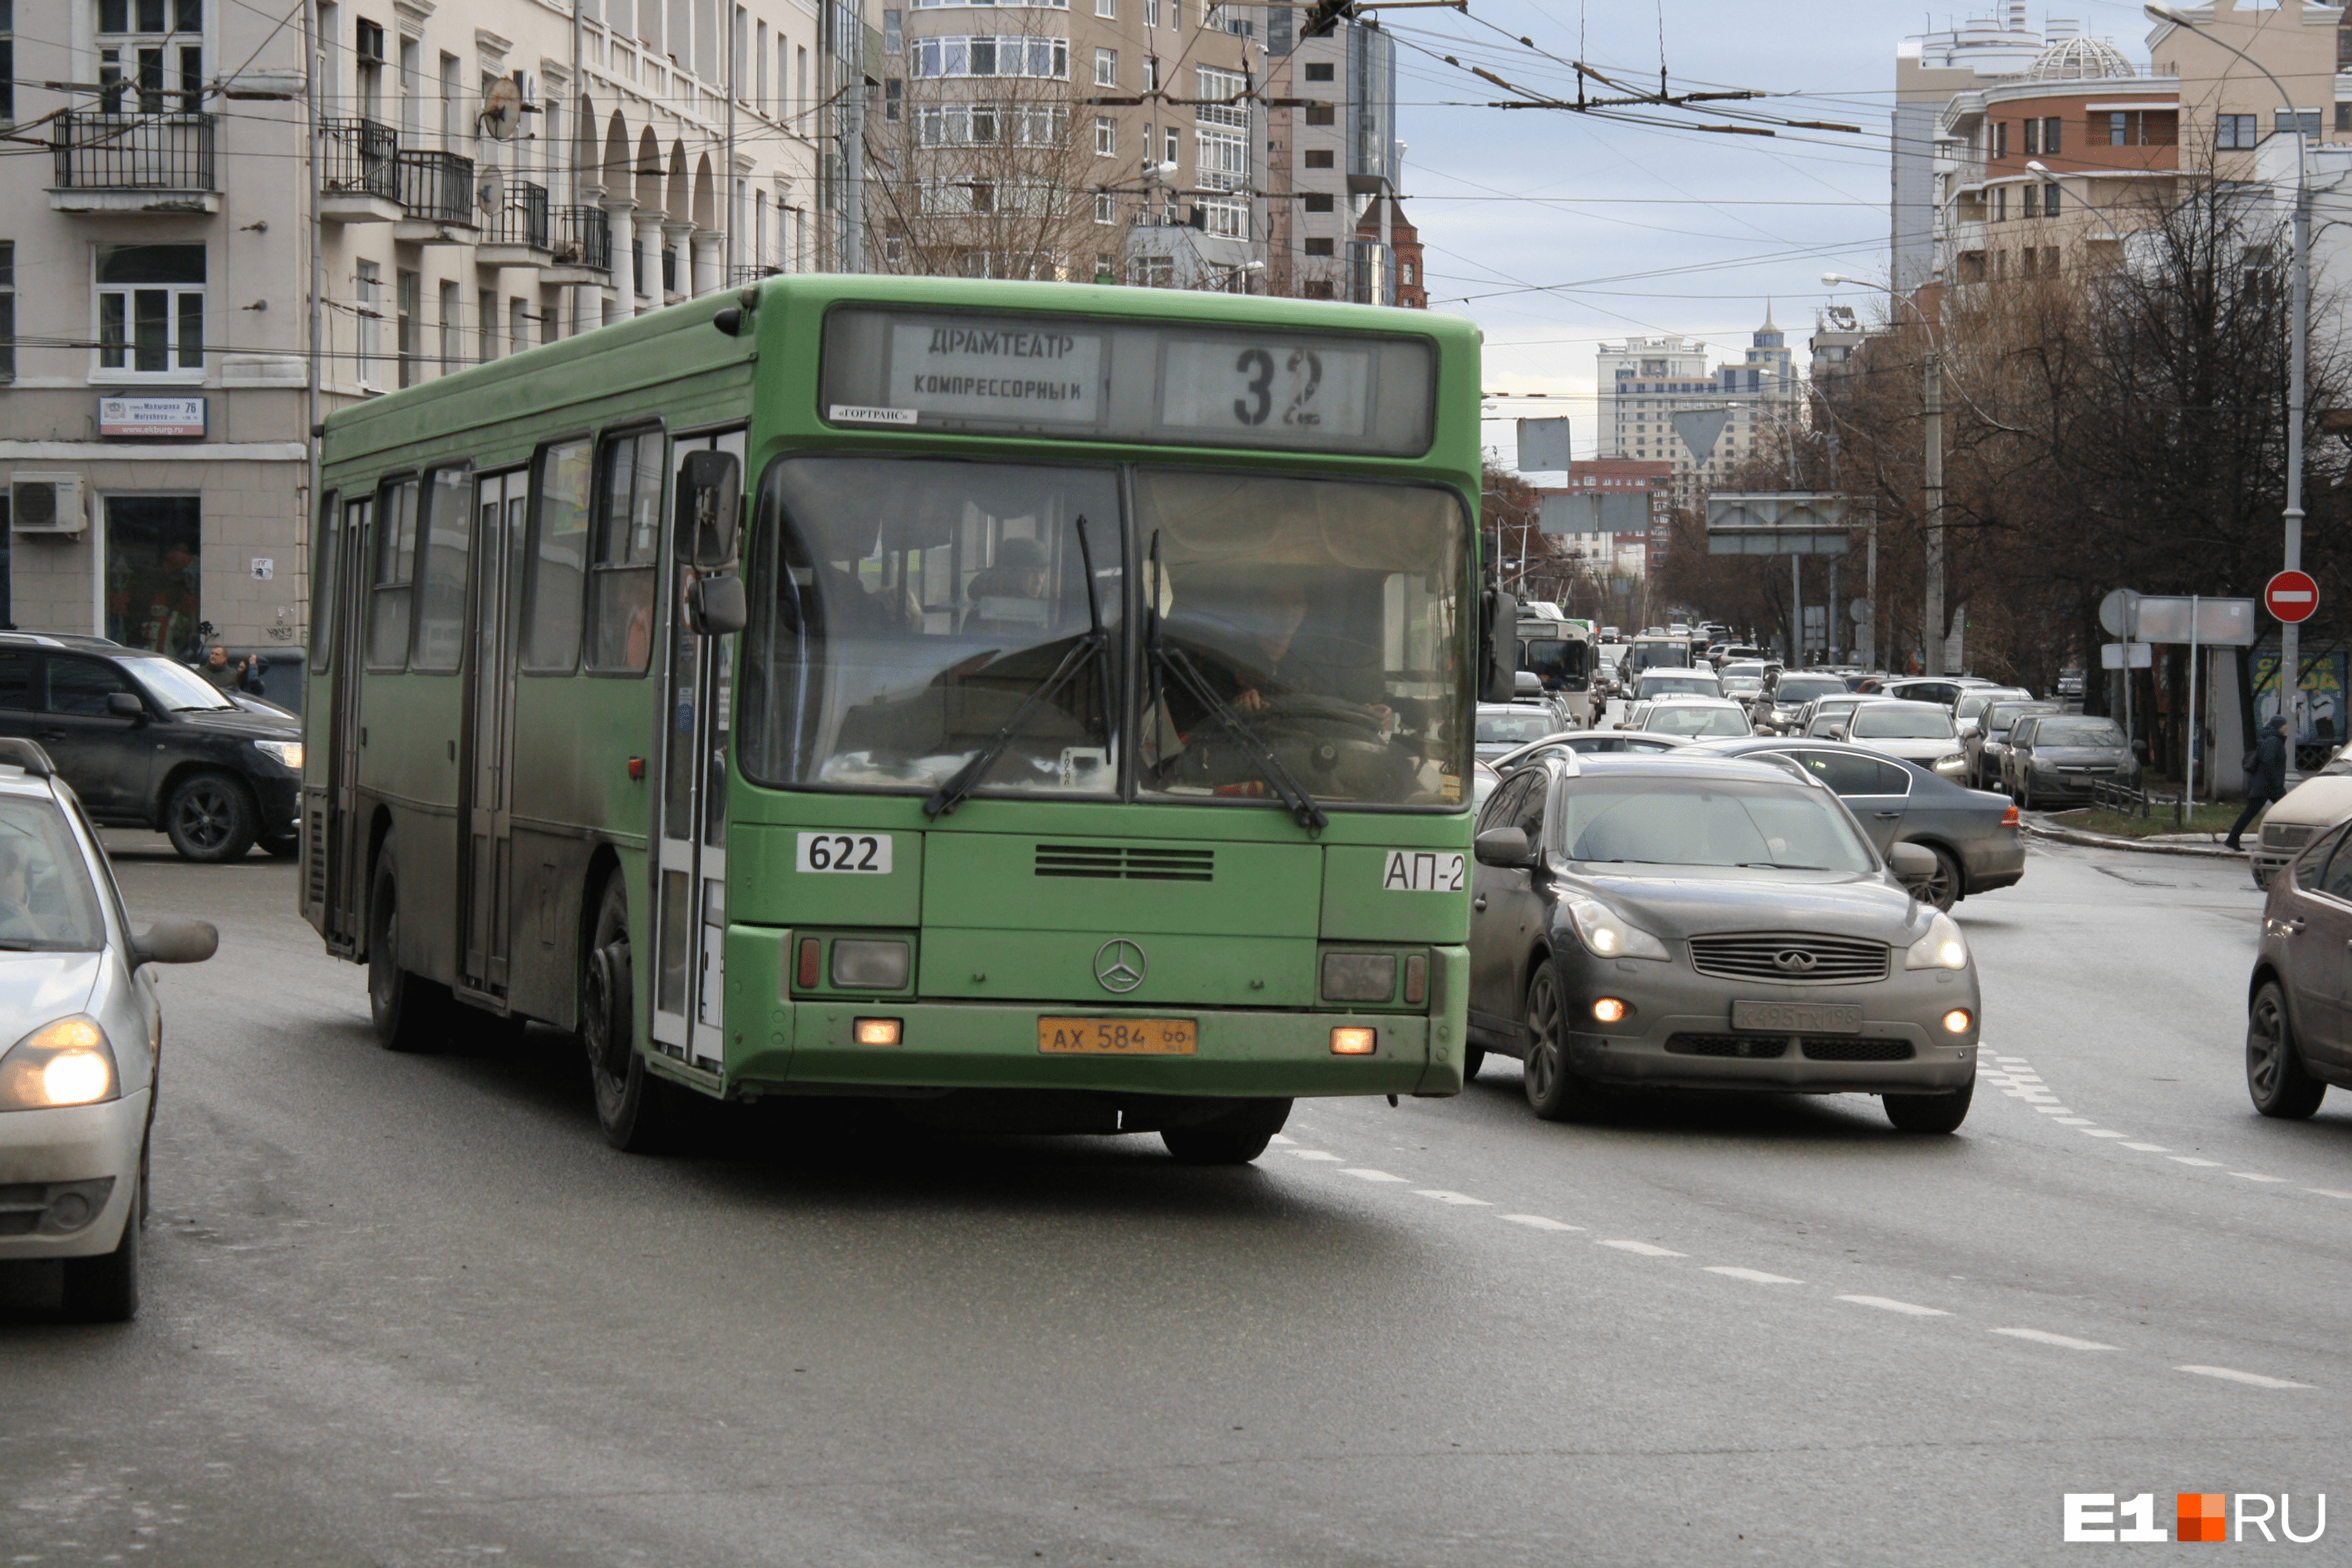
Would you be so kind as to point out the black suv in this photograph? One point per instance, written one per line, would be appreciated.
(147, 742)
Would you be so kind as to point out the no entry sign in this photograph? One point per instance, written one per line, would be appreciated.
(2291, 596)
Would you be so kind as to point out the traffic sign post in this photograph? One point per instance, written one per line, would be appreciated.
(2292, 596)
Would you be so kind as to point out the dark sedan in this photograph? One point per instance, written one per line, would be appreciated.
(147, 742)
(2298, 1012)
(1973, 833)
(1985, 745)
(2059, 757)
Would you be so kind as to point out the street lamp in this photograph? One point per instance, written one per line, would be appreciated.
(2299, 340)
(1931, 482)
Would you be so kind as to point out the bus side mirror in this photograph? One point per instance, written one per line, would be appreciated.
(716, 606)
(1498, 624)
(710, 508)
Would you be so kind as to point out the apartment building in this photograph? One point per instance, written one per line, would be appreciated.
(458, 184)
(1645, 382)
(2228, 108)
(1335, 230)
(1930, 70)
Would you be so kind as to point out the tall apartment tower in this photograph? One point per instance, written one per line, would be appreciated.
(1332, 165)
(1930, 70)
(1646, 381)
(462, 183)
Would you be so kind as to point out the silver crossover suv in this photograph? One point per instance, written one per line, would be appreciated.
(82, 1027)
(1681, 922)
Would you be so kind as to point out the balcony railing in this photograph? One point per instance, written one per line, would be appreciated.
(363, 158)
(437, 187)
(741, 274)
(581, 239)
(133, 152)
(521, 219)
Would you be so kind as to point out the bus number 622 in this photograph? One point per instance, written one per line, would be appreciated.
(869, 853)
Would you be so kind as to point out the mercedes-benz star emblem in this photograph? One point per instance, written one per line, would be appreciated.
(1119, 965)
(1793, 961)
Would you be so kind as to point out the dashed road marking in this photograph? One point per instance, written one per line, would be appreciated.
(2053, 1110)
(2232, 1374)
(1443, 1195)
(1753, 1276)
(1887, 1303)
(2249, 1176)
(2073, 1121)
(1644, 1250)
(2063, 1341)
(2149, 1148)
(1538, 1222)
(2327, 1192)
(2104, 1133)
(1310, 1154)
(2193, 1160)
(1368, 1174)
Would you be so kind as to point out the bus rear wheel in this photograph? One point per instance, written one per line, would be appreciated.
(1233, 1137)
(410, 1013)
(636, 1110)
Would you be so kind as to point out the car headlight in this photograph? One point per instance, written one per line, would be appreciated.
(1609, 935)
(1949, 759)
(67, 1063)
(288, 753)
(1942, 948)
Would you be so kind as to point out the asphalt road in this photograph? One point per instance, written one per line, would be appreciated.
(412, 1311)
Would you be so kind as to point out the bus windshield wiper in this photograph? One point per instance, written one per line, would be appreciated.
(1174, 662)
(1093, 647)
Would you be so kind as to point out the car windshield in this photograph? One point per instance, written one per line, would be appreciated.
(2001, 716)
(46, 902)
(1697, 719)
(176, 687)
(1688, 684)
(1515, 729)
(1892, 723)
(1742, 686)
(1651, 820)
(2078, 732)
(1805, 688)
(1559, 657)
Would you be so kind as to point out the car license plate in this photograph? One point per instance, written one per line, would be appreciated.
(1797, 1018)
(1119, 1037)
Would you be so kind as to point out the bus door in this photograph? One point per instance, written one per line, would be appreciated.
(345, 852)
(501, 512)
(690, 899)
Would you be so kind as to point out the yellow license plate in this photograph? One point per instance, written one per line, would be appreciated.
(1117, 1036)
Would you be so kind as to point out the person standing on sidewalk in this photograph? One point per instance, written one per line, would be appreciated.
(2265, 776)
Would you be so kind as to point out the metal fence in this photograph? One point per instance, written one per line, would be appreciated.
(133, 152)
(521, 219)
(740, 275)
(582, 238)
(437, 187)
(363, 157)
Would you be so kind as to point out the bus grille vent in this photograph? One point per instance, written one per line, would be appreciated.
(315, 846)
(1109, 863)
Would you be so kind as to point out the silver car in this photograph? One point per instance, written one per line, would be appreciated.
(1687, 922)
(78, 1084)
(1914, 731)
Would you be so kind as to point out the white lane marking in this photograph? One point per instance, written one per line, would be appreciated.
(2063, 1341)
(2232, 1374)
(1888, 1305)
(1443, 1195)
(1644, 1250)
(2073, 1121)
(2017, 1060)
(1368, 1174)
(1538, 1222)
(2149, 1148)
(1309, 1154)
(2327, 1192)
(2193, 1160)
(2104, 1133)
(1754, 1276)
(2249, 1176)
(1279, 1138)
(2053, 1110)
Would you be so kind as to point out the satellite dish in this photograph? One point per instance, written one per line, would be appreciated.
(489, 191)
(501, 114)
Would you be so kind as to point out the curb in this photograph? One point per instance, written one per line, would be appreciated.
(2041, 827)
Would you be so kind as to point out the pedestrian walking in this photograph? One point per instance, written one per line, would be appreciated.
(2265, 776)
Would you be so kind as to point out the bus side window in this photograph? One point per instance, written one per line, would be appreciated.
(448, 540)
(628, 534)
(558, 557)
(322, 581)
(396, 569)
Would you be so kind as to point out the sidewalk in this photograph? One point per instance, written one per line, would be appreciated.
(2207, 846)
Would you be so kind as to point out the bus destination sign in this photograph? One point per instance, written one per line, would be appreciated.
(1029, 371)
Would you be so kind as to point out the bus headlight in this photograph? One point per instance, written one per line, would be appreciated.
(1358, 976)
(865, 965)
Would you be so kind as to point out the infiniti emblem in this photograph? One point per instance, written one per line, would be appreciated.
(1794, 961)
(1119, 965)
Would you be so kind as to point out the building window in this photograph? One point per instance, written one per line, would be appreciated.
(151, 308)
(1221, 101)
(893, 33)
(2000, 204)
(144, 43)
(894, 99)
(1152, 73)
(1221, 161)
(1316, 247)
(518, 325)
(2308, 123)
(1319, 70)
(1154, 272)
(449, 325)
(8, 329)
(2049, 135)
(2344, 111)
(155, 548)
(1106, 7)
(1318, 201)
(1173, 145)
(1106, 67)
(1106, 136)
(1105, 207)
(2000, 139)
(2033, 201)
(1321, 114)
(2233, 132)
(404, 303)
(485, 326)
(2032, 138)
(1317, 159)
(1151, 12)
(2048, 200)
(8, 106)
(1047, 59)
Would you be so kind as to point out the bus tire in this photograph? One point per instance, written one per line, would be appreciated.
(634, 1109)
(1233, 1137)
(211, 817)
(410, 1013)
(1473, 1057)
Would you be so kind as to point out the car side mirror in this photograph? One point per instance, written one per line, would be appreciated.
(710, 508)
(1911, 863)
(716, 606)
(125, 704)
(1837, 732)
(175, 941)
(1502, 847)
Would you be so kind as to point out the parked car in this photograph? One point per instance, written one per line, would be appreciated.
(77, 1086)
(1529, 691)
(1914, 731)
(2059, 757)
(1671, 680)
(1709, 922)
(1790, 692)
(1969, 711)
(1693, 719)
(2298, 1012)
(146, 742)
(1816, 717)
(1942, 690)
(1974, 835)
(1505, 727)
(2310, 809)
(1982, 749)
(2070, 683)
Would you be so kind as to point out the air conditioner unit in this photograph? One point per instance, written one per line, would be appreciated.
(45, 504)
(529, 83)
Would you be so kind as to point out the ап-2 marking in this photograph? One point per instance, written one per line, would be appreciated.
(1421, 871)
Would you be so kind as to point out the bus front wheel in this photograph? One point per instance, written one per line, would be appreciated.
(1233, 1137)
(633, 1106)
(410, 1013)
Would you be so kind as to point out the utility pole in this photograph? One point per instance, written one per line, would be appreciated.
(1931, 502)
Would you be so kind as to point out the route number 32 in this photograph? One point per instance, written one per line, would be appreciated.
(1301, 370)
(856, 852)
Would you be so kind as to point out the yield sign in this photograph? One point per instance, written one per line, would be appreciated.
(2292, 596)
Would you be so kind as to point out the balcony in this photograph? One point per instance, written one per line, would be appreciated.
(517, 233)
(581, 246)
(125, 163)
(358, 173)
(436, 197)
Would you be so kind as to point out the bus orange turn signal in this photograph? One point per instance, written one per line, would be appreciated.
(877, 1031)
(1354, 1041)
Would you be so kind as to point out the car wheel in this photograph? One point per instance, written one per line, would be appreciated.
(1929, 1112)
(1473, 1057)
(211, 817)
(1233, 1137)
(1555, 1090)
(2275, 1076)
(637, 1109)
(105, 1289)
(2025, 794)
(1941, 889)
(411, 1013)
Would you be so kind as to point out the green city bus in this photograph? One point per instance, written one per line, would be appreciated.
(1043, 706)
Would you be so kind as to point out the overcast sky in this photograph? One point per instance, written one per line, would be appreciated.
(1558, 231)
